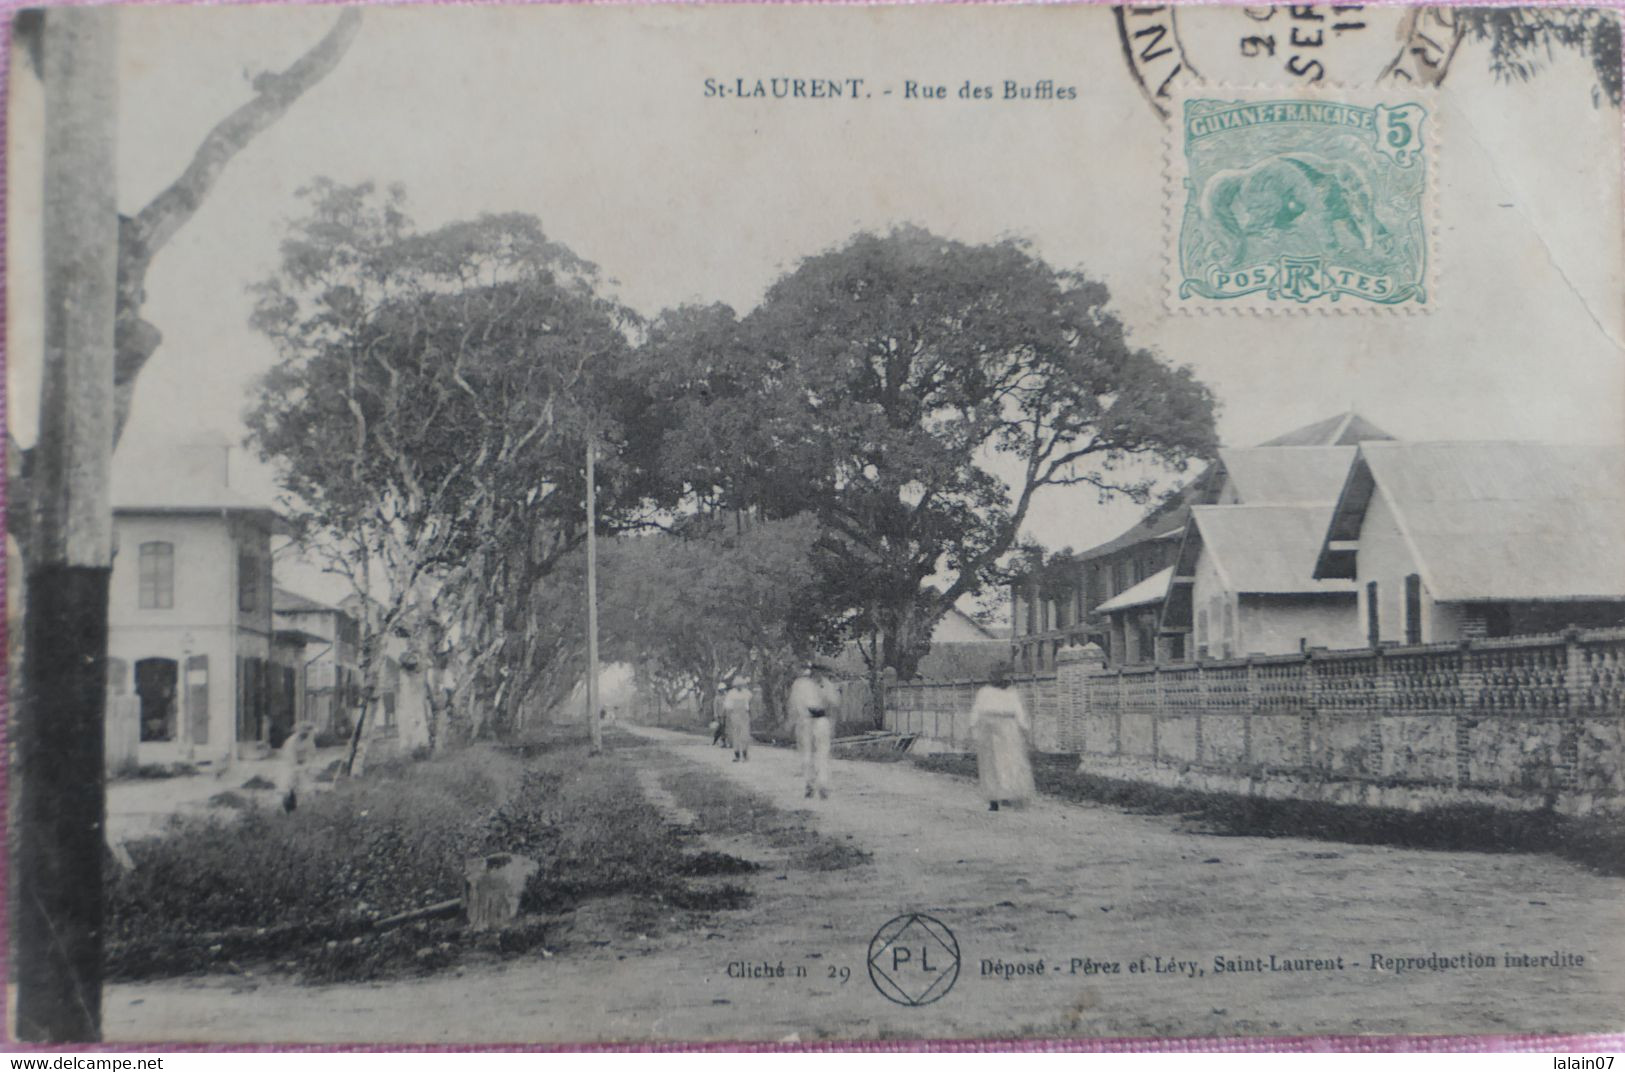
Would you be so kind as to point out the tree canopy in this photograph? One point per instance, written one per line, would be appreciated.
(429, 413)
(914, 393)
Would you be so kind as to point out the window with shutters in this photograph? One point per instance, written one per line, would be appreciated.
(1373, 616)
(1413, 609)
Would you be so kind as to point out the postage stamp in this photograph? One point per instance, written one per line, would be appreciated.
(1292, 201)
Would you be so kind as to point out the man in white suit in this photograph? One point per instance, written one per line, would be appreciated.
(815, 702)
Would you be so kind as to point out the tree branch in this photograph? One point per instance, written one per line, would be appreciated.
(142, 236)
(156, 224)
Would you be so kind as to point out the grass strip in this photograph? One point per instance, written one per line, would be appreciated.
(1594, 841)
(724, 808)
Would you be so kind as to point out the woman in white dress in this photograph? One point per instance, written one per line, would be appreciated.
(299, 747)
(736, 713)
(999, 727)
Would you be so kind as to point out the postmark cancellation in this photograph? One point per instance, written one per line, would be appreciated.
(1301, 201)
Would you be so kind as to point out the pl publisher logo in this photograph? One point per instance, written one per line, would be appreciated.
(913, 959)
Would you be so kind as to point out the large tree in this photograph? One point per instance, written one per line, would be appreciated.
(915, 394)
(96, 344)
(429, 415)
(144, 234)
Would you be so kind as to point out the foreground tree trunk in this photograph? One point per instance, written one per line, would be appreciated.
(60, 753)
(138, 239)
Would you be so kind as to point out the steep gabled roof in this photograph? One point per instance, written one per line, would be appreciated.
(1265, 549)
(1343, 430)
(965, 621)
(1168, 519)
(1492, 521)
(1283, 475)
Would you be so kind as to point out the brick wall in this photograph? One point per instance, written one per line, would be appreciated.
(1518, 722)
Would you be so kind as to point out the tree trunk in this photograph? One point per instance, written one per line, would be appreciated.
(372, 650)
(877, 685)
(772, 683)
(594, 723)
(139, 238)
(355, 764)
(905, 638)
(62, 802)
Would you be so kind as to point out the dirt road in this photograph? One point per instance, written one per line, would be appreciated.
(1062, 885)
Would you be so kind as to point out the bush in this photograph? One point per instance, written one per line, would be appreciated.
(151, 771)
(302, 890)
(367, 849)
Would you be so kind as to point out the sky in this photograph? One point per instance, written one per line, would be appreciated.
(595, 120)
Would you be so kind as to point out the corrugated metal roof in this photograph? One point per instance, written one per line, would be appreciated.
(1286, 475)
(1166, 520)
(1267, 549)
(1345, 429)
(284, 600)
(1150, 590)
(1509, 520)
(185, 500)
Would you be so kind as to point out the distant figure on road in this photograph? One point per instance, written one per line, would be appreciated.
(299, 747)
(999, 726)
(736, 714)
(814, 701)
(719, 722)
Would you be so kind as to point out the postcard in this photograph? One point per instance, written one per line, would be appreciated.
(812, 524)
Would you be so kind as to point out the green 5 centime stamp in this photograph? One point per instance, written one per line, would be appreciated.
(1298, 202)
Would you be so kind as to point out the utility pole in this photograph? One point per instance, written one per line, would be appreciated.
(592, 604)
(62, 803)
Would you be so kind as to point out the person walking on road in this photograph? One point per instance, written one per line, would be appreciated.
(299, 747)
(736, 712)
(814, 701)
(999, 727)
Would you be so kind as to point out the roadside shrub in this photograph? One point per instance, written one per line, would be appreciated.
(130, 771)
(301, 891)
(368, 848)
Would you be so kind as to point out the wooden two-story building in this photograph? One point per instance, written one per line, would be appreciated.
(1111, 594)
